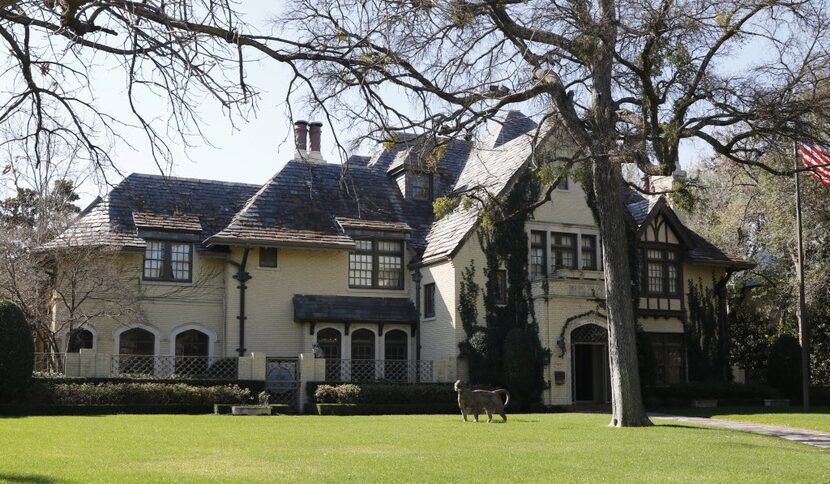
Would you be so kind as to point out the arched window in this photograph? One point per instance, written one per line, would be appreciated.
(329, 341)
(79, 338)
(395, 354)
(192, 343)
(137, 341)
(363, 355)
(137, 349)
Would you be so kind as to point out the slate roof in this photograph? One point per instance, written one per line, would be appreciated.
(206, 205)
(354, 309)
(301, 203)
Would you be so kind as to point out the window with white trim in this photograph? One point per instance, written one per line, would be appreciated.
(168, 261)
(661, 272)
(376, 264)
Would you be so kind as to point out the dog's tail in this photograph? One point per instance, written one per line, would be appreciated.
(506, 395)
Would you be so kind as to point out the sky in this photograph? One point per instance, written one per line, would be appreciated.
(246, 150)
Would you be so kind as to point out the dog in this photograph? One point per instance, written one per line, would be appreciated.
(481, 401)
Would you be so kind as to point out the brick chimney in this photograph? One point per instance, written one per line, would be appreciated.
(300, 139)
(314, 131)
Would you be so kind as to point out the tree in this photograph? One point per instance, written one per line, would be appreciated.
(16, 351)
(753, 213)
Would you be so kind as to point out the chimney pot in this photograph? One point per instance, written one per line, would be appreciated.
(315, 129)
(300, 136)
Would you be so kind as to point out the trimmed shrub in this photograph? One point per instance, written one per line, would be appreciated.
(734, 393)
(17, 352)
(784, 366)
(145, 393)
(386, 393)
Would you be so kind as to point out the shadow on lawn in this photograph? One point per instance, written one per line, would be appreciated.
(741, 410)
(31, 478)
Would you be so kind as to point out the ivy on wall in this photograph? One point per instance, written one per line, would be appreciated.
(505, 351)
(701, 330)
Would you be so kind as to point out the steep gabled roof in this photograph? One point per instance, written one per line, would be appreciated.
(301, 203)
(152, 201)
(644, 209)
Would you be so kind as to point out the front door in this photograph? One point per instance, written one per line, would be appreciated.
(591, 372)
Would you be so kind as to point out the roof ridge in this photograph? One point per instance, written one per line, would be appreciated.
(187, 179)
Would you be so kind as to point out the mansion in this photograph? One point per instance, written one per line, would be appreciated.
(348, 262)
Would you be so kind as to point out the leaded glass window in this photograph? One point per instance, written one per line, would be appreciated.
(538, 255)
(662, 272)
(589, 252)
(563, 248)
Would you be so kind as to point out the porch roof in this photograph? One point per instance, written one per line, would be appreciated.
(354, 309)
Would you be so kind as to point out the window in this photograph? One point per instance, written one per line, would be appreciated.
(421, 185)
(500, 287)
(538, 255)
(267, 257)
(376, 264)
(662, 272)
(429, 300)
(563, 248)
(589, 252)
(669, 357)
(78, 339)
(168, 261)
(563, 184)
(192, 343)
(137, 341)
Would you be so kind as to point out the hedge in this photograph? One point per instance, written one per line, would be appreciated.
(383, 393)
(381, 409)
(255, 386)
(28, 409)
(734, 393)
(136, 394)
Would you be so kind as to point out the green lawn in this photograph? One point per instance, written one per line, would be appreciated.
(818, 418)
(542, 448)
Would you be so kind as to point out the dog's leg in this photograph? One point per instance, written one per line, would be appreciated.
(476, 417)
(504, 416)
(464, 414)
(489, 416)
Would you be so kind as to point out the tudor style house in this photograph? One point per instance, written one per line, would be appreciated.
(348, 262)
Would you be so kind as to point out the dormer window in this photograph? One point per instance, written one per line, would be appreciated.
(168, 261)
(420, 185)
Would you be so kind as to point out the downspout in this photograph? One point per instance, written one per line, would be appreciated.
(243, 277)
(416, 278)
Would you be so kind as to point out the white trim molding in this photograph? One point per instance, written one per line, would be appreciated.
(116, 336)
(198, 327)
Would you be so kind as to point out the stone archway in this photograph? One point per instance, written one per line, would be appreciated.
(590, 373)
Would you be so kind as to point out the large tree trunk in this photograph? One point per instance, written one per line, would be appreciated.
(626, 397)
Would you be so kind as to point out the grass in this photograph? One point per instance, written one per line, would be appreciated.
(818, 418)
(541, 448)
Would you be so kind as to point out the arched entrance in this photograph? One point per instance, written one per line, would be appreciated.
(329, 341)
(589, 361)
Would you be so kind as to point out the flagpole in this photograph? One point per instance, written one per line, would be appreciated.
(803, 326)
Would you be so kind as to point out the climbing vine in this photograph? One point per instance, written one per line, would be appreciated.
(701, 329)
(506, 351)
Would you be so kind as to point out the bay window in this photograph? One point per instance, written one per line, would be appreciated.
(538, 255)
(563, 248)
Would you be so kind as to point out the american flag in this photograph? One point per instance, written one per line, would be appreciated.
(818, 160)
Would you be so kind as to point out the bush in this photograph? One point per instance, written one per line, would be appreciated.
(17, 352)
(734, 393)
(385, 393)
(784, 366)
(143, 393)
